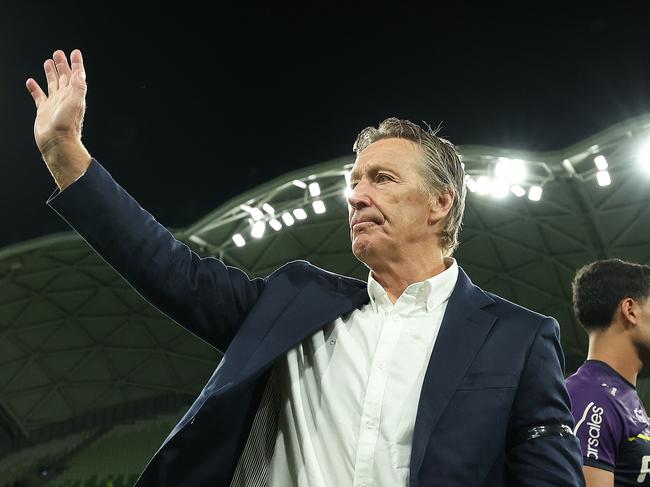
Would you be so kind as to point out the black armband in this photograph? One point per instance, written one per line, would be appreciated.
(541, 431)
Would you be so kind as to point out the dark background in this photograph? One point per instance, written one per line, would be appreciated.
(192, 103)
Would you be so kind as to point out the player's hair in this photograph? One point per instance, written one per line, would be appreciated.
(599, 287)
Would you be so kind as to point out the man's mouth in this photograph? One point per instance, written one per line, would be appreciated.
(362, 224)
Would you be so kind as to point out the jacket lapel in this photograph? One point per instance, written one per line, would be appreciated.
(464, 328)
(318, 303)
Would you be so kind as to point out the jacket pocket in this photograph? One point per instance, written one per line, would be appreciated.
(480, 380)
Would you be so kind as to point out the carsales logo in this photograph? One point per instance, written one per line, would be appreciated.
(594, 416)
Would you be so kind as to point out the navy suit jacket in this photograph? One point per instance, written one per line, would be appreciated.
(496, 368)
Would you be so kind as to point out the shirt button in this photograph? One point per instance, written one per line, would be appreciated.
(381, 365)
(395, 318)
(370, 425)
(332, 341)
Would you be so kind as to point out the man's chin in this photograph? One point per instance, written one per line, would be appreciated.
(363, 250)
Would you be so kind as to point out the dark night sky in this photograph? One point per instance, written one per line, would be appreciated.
(189, 108)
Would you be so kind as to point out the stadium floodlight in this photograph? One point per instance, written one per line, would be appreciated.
(512, 170)
(471, 183)
(239, 240)
(568, 167)
(318, 206)
(299, 183)
(535, 193)
(483, 185)
(314, 189)
(275, 224)
(287, 218)
(644, 156)
(269, 209)
(518, 191)
(255, 213)
(300, 214)
(499, 188)
(601, 162)
(603, 178)
(258, 229)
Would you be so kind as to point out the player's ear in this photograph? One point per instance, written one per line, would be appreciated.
(629, 310)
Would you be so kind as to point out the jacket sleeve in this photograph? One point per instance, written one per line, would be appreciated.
(203, 295)
(542, 401)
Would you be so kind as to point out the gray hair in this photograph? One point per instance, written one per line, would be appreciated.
(442, 169)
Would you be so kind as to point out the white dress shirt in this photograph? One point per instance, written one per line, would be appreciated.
(350, 392)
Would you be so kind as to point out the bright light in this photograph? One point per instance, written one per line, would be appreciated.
(471, 184)
(512, 170)
(535, 193)
(254, 212)
(269, 209)
(644, 156)
(300, 214)
(314, 189)
(518, 173)
(483, 185)
(257, 214)
(239, 240)
(258, 229)
(499, 188)
(601, 162)
(347, 192)
(348, 176)
(319, 207)
(603, 178)
(287, 219)
(518, 191)
(299, 183)
(275, 224)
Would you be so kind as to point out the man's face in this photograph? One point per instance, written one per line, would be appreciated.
(389, 213)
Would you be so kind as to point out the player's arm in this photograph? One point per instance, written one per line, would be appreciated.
(597, 477)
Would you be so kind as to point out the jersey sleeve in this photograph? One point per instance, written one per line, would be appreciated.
(598, 424)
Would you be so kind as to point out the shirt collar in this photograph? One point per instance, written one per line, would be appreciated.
(427, 294)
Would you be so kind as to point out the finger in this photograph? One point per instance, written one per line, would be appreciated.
(62, 67)
(51, 76)
(37, 93)
(78, 70)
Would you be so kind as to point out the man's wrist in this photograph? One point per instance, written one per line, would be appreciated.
(67, 160)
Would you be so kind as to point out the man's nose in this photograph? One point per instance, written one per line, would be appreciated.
(359, 196)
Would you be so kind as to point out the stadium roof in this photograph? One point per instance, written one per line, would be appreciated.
(79, 347)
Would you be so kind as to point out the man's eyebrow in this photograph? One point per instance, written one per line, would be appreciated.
(375, 167)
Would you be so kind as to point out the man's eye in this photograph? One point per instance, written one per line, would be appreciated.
(382, 177)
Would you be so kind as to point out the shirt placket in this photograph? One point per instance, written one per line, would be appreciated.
(373, 400)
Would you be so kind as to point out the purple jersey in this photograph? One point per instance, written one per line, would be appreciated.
(611, 423)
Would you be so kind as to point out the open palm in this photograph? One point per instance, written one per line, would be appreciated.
(60, 112)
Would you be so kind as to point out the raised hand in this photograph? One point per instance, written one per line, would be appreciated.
(59, 117)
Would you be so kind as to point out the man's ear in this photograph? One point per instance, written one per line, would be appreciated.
(628, 308)
(441, 205)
